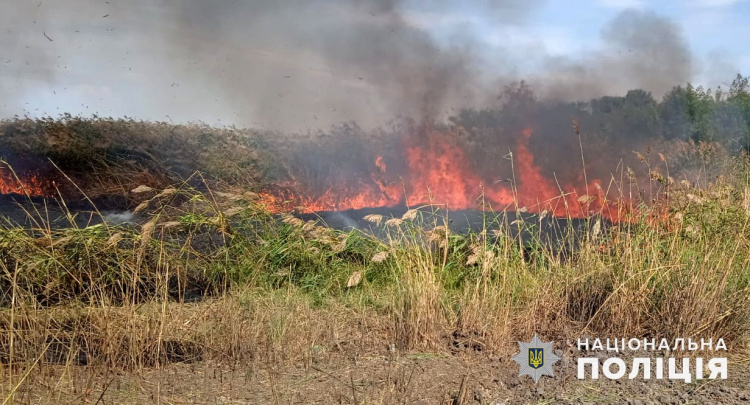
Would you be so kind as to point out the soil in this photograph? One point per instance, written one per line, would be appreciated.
(384, 377)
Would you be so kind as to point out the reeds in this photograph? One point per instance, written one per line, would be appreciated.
(209, 275)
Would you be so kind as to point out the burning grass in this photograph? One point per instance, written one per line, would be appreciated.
(211, 275)
(107, 157)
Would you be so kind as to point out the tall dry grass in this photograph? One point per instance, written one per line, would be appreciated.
(208, 275)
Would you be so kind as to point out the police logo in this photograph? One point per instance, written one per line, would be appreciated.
(536, 358)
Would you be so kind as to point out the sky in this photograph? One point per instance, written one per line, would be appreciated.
(295, 65)
(714, 30)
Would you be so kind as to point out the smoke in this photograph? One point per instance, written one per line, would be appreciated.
(292, 64)
(334, 60)
(23, 62)
(641, 51)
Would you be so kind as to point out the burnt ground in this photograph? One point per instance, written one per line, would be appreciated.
(30, 212)
(460, 221)
(376, 378)
(19, 210)
(551, 231)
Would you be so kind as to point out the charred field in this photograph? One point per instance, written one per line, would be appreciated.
(137, 248)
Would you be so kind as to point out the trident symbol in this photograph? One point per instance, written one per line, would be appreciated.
(536, 357)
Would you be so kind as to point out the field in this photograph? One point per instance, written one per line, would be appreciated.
(208, 294)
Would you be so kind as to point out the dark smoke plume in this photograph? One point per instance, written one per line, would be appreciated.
(292, 64)
(353, 60)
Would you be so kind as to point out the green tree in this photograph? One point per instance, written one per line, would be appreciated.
(739, 98)
(699, 105)
(673, 118)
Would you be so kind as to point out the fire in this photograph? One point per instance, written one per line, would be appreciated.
(541, 194)
(438, 171)
(32, 185)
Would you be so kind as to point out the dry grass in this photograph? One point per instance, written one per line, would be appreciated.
(108, 157)
(211, 276)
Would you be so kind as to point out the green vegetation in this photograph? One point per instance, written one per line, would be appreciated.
(209, 274)
(681, 269)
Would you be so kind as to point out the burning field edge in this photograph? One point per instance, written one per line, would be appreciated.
(134, 264)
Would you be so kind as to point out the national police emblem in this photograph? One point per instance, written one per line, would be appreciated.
(536, 358)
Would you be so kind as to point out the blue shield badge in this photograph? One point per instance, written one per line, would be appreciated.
(536, 357)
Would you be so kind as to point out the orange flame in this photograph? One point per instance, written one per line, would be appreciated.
(32, 185)
(439, 172)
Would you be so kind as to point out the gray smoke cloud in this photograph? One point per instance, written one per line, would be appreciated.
(23, 61)
(642, 50)
(292, 64)
(362, 60)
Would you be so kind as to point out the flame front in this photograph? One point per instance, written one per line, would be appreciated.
(32, 184)
(439, 172)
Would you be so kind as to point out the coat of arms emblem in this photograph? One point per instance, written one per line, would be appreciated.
(536, 358)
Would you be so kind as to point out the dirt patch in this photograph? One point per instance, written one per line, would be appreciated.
(377, 378)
